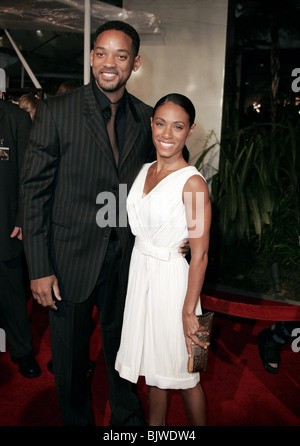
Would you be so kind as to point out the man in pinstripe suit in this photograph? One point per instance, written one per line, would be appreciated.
(73, 263)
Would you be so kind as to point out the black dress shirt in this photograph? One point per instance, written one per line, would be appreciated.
(104, 103)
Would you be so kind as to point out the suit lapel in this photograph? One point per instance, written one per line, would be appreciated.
(132, 131)
(95, 123)
(96, 126)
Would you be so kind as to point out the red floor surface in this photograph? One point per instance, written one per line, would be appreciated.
(239, 392)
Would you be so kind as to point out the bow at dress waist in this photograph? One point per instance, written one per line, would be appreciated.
(148, 249)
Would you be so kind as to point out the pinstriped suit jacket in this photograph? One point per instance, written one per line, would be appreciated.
(68, 163)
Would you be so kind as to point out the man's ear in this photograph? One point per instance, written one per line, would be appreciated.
(137, 63)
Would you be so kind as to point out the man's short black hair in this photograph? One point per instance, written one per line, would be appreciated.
(125, 28)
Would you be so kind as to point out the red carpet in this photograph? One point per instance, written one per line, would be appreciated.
(239, 392)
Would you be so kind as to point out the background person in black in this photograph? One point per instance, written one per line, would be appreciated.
(14, 129)
(270, 340)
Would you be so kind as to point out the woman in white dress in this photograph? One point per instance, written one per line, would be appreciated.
(168, 202)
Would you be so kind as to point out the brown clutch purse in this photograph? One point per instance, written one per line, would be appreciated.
(198, 361)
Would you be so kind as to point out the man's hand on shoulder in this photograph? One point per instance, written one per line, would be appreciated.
(184, 248)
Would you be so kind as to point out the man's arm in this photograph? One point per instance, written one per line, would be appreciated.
(38, 174)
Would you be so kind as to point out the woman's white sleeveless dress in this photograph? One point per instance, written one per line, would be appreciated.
(152, 342)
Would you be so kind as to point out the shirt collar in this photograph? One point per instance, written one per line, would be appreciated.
(103, 100)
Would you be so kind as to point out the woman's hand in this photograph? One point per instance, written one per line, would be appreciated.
(191, 329)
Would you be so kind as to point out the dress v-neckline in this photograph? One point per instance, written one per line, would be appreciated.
(155, 187)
